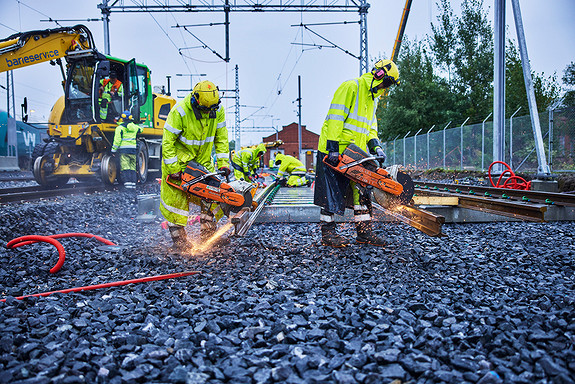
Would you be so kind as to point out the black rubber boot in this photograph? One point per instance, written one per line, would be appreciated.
(330, 238)
(179, 237)
(365, 234)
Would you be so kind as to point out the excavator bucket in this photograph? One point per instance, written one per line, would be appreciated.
(390, 186)
(199, 181)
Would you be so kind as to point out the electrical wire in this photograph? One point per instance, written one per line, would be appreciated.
(35, 10)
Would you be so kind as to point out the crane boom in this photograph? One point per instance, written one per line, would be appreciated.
(32, 47)
(402, 24)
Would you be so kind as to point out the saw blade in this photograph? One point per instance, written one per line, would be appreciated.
(387, 200)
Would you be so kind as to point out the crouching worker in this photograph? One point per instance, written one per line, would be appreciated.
(350, 119)
(125, 144)
(247, 161)
(291, 171)
(193, 127)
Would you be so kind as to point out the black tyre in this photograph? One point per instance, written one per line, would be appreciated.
(142, 161)
(44, 164)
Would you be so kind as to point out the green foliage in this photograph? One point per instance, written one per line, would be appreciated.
(569, 81)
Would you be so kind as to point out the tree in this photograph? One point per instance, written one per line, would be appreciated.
(421, 98)
(569, 81)
(546, 89)
(442, 41)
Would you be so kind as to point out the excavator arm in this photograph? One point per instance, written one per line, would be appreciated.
(28, 48)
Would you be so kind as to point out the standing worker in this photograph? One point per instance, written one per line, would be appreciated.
(247, 161)
(291, 168)
(350, 119)
(193, 127)
(126, 145)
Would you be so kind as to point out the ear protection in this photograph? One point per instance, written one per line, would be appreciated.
(380, 72)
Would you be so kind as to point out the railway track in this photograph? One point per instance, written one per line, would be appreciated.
(519, 204)
(35, 192)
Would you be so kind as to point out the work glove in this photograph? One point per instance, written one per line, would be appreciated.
(176, 176)
(226, 171)
(332, 158)
(379, 152)
(282, 182)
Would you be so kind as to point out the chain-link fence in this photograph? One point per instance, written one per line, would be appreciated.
(441, 147)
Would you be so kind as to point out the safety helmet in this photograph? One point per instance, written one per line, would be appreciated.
(206, 96)
(387, 72)
(126, 115)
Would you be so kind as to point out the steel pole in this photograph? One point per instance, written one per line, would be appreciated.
(415, 149)
(499, 86)
(444, 143)
(550, 138)
(433, 126)
(394, 151)
(299, 116)
(483, 141)
(543, 168)
(511, 138)
(461, 145)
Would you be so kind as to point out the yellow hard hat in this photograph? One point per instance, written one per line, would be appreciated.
(387, 72)
(206, 95)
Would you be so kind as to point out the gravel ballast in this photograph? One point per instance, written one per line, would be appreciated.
(490, 303)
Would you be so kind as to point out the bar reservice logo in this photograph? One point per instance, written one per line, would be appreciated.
(32, 58)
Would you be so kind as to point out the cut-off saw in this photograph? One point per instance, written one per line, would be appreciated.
(197, 180)
(390, 186)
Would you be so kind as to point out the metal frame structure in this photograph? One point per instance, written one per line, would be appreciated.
(108, 7)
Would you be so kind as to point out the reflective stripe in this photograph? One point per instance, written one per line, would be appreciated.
(354, 128)
(221, 125)
(129, 185)
(175, 210)
(181, 110)
(222, 155)
(364, 217)
(335, 117)
(361, 119)
(169, 128)
(360, 208)
(326, 218)
(171, 160)
(281, 173)
(208, 139)
(340, 107)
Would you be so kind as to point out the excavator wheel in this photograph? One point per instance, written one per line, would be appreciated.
(44, 166)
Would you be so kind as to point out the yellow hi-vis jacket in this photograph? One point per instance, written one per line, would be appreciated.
(351, 116)
(246, 161)
(125, 138)
(187, 138)
(292, 167)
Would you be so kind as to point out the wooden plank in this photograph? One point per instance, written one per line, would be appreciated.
(436, 200)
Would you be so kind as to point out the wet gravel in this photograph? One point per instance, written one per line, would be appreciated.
(490, 303)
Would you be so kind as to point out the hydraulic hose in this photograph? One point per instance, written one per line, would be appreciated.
(29, 239)
(112, 284)
(513, 181)
(51, 239)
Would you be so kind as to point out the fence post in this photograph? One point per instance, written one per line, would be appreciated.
(433, 126)
(394, 162)
(404, 147)
(415, 150)
(483, 141)
(511, 138)
(461, 145)
(444, 143)
(550, 138)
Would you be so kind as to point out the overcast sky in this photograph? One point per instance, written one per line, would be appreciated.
(262, 45)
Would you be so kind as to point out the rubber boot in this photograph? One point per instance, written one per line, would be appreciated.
(329, 236)
(365, 234)
(179, 237)
(208, 228)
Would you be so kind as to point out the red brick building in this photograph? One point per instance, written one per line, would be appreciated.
(289, 135)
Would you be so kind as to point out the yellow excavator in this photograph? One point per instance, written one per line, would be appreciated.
(82, 122)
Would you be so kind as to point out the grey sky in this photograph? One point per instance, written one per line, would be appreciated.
(261, 45)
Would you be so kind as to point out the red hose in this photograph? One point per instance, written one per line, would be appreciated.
(112, 284)
(35, 238)
(513, 182)
(31, 239)
(62, 235)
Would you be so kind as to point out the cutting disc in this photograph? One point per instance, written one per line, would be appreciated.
(387, 200)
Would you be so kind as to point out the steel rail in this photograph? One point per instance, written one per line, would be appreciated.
(541, 197)
(425, 221)
(8, 195)
(244, 221)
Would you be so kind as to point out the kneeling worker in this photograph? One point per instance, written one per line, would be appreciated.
(193, 127)
(350, 119)
(247, 161)
(291, 168)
